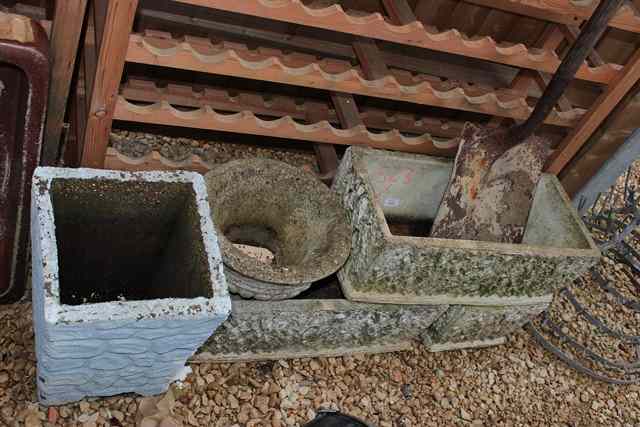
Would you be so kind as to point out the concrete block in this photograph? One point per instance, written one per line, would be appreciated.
(127, 280)
(392, 198)
(478, 326)
(262, 330)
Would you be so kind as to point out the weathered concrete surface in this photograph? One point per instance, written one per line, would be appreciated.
(380, 188)
(247, 287)
(117, 341)
(270, 204)
(478, 326)
(259, 330)
(491, 187)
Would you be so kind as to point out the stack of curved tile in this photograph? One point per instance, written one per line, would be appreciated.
(285, 127)
(374, 25)
(237, 60)
(226, 99)
(626, 18)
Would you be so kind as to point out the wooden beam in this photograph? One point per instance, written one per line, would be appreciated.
(89, 56)
(371, 62)
(603, 143)
(566, 12)
(399, 11)
(550, 39)
(346, 109)
(99, 15)
(325, 153)
(65, 35)
(374, 26)
(118, 25)
(595, 116)
(606, 176)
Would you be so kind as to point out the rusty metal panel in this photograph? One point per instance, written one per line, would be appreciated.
(24, 79)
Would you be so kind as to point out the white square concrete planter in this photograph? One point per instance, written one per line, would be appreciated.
(127, 280)
(392, 198)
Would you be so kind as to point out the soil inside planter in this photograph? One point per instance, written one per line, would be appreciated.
(132, 240)
(403, 227)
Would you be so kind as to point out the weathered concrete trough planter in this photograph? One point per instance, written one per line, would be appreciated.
(271, 330)
(391, 199)
(468, 326)
(127, 280)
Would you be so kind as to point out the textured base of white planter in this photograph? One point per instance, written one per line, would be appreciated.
(127, 280)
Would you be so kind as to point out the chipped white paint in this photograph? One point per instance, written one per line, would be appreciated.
(115, 347)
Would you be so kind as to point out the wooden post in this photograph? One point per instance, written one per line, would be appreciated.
(370, 58)
(550, 39)
(65, 34)
(113, 49)
(596, 114)
(399, 11)
(607, 175)
(325, 153)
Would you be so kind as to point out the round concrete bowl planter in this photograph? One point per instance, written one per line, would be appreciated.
(127, 277)
(391, 199)
(285, 210)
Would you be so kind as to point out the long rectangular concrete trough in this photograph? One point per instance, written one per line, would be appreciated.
(272, 330)
(392, 198)
(491, 289)
(127, 280)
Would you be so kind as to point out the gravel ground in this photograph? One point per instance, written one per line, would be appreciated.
(518, 383)
(615, 338)
(515, 384)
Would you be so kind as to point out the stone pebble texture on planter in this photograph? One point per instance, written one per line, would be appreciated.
(273, 205)
(492, 288)
(466, 326)
(261, 330)
(95, 336)
(379, 188)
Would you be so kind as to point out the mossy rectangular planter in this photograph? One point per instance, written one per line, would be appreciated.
(467, 326)
(127, 280)
(272, 330)
(392, 198)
